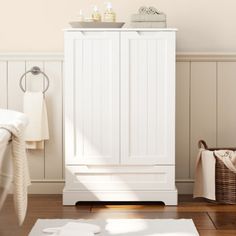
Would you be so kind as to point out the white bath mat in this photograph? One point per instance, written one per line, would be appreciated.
(126, 227)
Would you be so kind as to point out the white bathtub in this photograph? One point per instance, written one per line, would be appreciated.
(7, 117)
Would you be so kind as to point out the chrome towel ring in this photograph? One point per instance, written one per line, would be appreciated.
(35, 71)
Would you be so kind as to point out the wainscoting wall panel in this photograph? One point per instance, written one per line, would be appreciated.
(205, 108)
(226, 100)
(205, 105)
(202, 107)
(182, 119)
(3, 84)
(46, 166)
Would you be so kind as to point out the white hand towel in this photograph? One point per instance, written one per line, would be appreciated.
(37, 130)
(74, 227)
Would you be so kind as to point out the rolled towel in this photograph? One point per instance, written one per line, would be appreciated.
(153, 11)
(74, 227)
(143, 10)
(148, 10)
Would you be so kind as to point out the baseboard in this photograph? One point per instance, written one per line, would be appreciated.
(56, 186)
(169, 197)
(46, 187)
(185, 186)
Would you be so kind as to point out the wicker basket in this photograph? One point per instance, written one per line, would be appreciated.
(225, 179)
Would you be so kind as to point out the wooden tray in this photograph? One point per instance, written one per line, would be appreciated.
(79, 24)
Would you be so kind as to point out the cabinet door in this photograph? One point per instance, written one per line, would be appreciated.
(92, 98)
(147, 98)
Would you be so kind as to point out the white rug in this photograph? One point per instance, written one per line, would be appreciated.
(126, 227)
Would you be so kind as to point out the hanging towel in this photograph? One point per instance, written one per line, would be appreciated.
(37, 130)
(21, 179)
(74, 229)
(204, 185)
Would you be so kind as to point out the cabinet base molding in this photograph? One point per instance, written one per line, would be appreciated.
(71, 197)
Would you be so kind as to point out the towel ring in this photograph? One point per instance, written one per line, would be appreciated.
(34, 71)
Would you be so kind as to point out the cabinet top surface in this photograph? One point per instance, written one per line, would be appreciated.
(122, 29)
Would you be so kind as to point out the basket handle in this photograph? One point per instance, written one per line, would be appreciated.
(202, 144)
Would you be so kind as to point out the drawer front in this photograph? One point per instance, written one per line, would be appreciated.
(120, 178)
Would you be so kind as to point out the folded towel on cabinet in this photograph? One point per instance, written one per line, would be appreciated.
(37, 130)
(147, 24)
(20, 172)
(148, 18)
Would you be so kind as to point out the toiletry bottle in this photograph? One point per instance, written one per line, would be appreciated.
(96, 16)
(81, 16)
(109, 14)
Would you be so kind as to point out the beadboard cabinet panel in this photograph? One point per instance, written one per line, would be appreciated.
(203, 107)
(93, 133)
(147, 98)
(3, 85)
(182, 119)
(226, 116)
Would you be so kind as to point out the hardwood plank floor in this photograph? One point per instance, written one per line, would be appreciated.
(210, 219)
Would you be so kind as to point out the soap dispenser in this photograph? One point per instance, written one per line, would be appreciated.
(96, 16)
(109, 14)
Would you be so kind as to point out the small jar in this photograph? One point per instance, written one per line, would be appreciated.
(96, 16)
(109, 14)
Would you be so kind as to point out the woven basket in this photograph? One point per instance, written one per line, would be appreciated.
(225, 179)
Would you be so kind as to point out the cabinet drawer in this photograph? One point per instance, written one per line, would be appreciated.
(120, 178)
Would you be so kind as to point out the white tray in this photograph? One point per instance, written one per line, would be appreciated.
(79, 24)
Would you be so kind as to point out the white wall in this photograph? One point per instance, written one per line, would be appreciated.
(36, 25)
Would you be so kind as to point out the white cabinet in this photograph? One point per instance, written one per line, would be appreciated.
(120, 115)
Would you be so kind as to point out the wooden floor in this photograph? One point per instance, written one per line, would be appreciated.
(209, 218)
